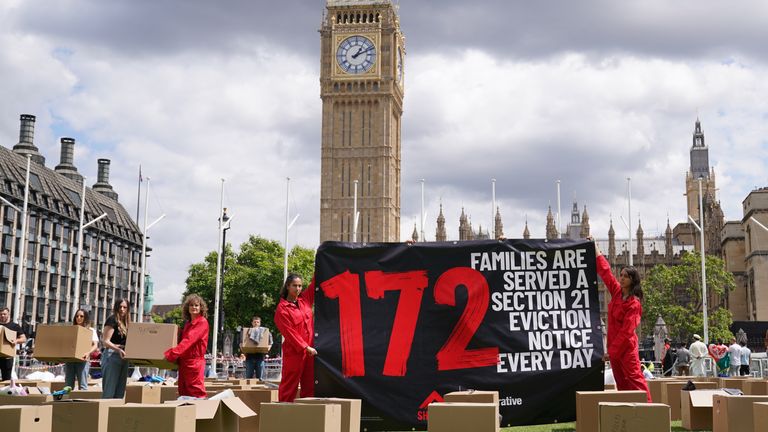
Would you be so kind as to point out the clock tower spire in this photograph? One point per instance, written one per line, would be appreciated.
(361, 85)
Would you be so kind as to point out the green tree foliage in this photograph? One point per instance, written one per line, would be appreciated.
(674, 293)
(253, 277)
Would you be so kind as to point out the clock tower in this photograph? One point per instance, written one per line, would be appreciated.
(361, 85)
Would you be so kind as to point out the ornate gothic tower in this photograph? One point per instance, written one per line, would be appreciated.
(361, 80)
(551, 229)
(465, 229)
(640, 245)
(668, 252)
(526, 231)
(699, 169)
(584, 223)
(440, 233)
(611, 243)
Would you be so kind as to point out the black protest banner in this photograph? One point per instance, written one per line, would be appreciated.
(399, 326)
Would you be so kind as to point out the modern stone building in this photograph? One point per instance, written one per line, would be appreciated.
(111, 256)
(361, 85)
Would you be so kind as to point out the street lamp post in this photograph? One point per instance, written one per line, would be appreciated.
(142, 276)
(700, 228)
(78, 259)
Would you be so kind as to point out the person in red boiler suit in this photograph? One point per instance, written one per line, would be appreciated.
(624, 312)
(190, 352)
(293, 317)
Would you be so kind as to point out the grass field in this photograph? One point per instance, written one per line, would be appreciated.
(569, 427)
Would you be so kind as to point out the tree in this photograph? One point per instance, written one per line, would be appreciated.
(252, 279)
(674, 293)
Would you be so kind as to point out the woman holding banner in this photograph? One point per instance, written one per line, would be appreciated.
(293, 318)
(114, 366)
(624, 312)
(190, 352)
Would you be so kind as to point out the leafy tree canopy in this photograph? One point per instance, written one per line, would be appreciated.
(674, 293)
(252, 280)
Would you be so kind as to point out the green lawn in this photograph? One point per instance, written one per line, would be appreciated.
(568, 427)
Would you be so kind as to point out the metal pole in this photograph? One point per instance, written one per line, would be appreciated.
(354, 216)
(79, 254)
(629, 223)
(214, 347)
(143, 257)
(703, 268)
(559, 228)
(422, 210)
(493, 208)
(21, 268)
(287, 208)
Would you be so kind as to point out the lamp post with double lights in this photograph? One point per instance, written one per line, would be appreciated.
(700, 228)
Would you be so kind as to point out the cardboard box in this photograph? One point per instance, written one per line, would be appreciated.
(218, 415)
(62, 343)
(34, 399)
(154, 417)
(733, 382)
(610, 386)
(146, 343)
(473, 396)
(82, 415)
(759, 414)
(670, 394)
(350, 410)
(755, 387)
(7, 342)
(654, 386)
(696, 408)
(734, 413)
(248, 346)
(282, 417)
(146, 394)
(89, 394)
(587, 409)
(462, 417)
(633, 417)
(168, 393)
(253, 398)
(26, 418)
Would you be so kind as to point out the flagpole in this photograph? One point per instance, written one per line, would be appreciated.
(138, 200)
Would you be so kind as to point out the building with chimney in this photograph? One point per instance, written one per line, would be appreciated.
(111, 249)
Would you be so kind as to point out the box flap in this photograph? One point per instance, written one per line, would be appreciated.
(204, 409)
(703, 398)
(8, 335)
(239, 408)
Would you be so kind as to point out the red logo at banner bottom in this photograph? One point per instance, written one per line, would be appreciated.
(422, 414)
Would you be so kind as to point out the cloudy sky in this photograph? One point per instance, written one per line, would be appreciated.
(588, 92)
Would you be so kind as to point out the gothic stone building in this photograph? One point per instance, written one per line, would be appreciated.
(110, 264)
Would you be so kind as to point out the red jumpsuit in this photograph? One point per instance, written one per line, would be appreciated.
(190, 355)
(623, 319)
(296, 324)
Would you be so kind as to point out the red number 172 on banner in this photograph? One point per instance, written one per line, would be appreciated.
(453, 355)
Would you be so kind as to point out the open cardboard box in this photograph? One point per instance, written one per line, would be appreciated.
(7, 342)
(587, 409)
(696, 408)
(248, 346)
(735, 413)
(218, 415)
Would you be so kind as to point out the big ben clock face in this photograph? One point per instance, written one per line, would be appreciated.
(399, 72)
(356, 54)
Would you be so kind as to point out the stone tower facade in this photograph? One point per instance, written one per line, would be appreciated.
(440, 232)
(361, 79)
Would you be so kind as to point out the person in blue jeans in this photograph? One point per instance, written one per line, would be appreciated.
(254, 363)
(114, 367)
(79, 370)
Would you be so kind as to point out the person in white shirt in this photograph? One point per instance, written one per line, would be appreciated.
(734, 351)
(746, 354)
(698, 354)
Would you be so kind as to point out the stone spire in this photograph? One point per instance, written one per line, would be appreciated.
(611, 243)
(415, 235)
(640, 246)
(498, 227)
(440, 233)
(668, 243)
(551, 229)
(464, 227)
(526, 232)
(584, 224)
